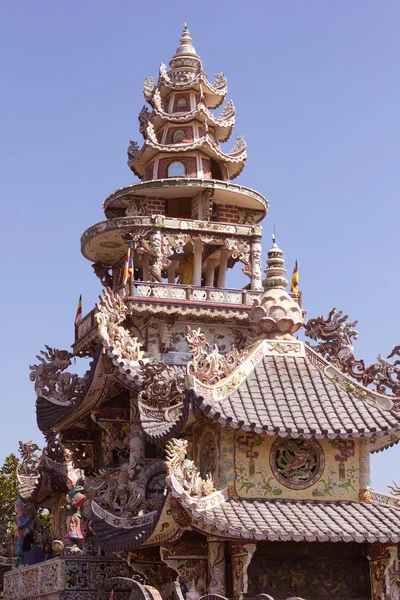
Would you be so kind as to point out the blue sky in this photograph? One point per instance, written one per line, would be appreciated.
(316, 89)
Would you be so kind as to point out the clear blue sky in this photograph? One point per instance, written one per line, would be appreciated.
(317, 91)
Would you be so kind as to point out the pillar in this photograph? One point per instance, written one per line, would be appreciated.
(198, 256)
(365, 475)
(216, 566)
(136, 470)
(256, 264)
(210, 273)
(383, 567)
(241, 557)
(223, 264)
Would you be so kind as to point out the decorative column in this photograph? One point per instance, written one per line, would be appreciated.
(136, 470)
(365, 475)
(241, 558)
(256, 264)
(216, 566)
(198, 256)
(156, 262)
(383, 567)
(223, 264)
(210, 273)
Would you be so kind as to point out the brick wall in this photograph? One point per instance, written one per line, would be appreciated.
(187, 129)
(155, 206)
(148, 173)
(190, 163)
(228, 213)
(181, 108)
(206, 168)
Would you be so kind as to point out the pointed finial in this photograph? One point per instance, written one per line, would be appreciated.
(185, 63)
(275, 271)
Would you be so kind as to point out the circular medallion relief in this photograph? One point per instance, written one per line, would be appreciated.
(297, 464)
(208, 456)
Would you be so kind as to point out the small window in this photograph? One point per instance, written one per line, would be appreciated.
(182, 102)
(176, 169)
(179, 135)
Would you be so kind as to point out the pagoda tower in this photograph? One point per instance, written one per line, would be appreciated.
(207, 451)
(188, 222)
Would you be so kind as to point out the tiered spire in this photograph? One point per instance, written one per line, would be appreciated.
(185, 63)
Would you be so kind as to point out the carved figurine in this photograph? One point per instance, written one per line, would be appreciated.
(74, 501)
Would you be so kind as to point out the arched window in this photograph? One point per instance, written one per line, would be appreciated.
(176, 169)
(182, 102)
(179, 135)
(156, 485)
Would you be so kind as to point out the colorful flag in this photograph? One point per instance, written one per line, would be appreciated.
(78, 315)
(128, 270)
(294, 286)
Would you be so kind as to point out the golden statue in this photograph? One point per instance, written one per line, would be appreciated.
(186, 265)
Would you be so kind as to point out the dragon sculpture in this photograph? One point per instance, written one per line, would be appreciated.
(185, 471)
(51, 380)
(162, 385)
(335, 336)
(110, 314)
(210, 367)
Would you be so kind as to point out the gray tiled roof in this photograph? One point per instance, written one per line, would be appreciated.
(289, 396)
(305, 521)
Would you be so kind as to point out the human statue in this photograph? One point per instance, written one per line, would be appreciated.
(74, 500)
(24, 515)
(186, 265)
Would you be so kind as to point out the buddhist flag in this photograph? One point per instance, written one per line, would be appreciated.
(78, 315)
(128, 269)
(294, 286)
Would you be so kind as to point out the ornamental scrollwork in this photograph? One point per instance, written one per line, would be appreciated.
(220, 81)
(103, 273)
(133, 151)
(51, 380)
(335, 336)
(185, 471)
(143, 118)
(239, 145)
(110, 314)
(29, 458)
(228, 111)
(210, 367)
(240, 251)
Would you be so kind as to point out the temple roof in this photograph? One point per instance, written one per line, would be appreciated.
(282, 520)
(290, 396)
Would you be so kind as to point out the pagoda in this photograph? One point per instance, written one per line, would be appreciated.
(207, 451)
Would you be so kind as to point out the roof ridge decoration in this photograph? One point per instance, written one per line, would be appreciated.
(276, 314)
(222, 388)
(210, 367)
(52, 382)
(161, 400)
(335, 336)
(185, 482)
(122, 347)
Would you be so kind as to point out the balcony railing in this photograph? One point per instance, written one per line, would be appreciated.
(173, 292)
(64, 577)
